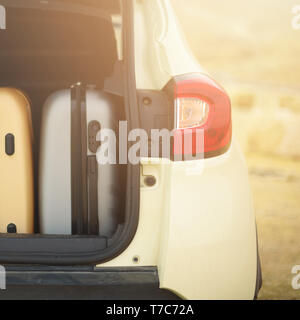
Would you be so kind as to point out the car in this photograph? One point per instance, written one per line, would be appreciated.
(185, 224)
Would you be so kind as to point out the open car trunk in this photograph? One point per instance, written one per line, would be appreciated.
(47, 48)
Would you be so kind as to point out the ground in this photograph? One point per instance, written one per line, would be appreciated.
(276, 188)
(251, 48)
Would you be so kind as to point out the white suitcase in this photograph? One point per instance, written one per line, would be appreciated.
(76, 194)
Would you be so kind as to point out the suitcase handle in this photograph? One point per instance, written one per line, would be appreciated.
(9, 144)
(94, 128)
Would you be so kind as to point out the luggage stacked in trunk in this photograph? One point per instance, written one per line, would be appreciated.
(42, 53)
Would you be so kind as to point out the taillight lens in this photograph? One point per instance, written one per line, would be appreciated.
(201, 106)
(191, 112)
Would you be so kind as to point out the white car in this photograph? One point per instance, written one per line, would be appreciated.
(188, 226)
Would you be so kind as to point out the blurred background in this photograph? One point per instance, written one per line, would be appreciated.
(251, 49)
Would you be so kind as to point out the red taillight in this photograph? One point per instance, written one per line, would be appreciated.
(202, 117)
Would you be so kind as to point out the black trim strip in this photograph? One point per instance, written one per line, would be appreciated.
(78, 160)
(97, 277)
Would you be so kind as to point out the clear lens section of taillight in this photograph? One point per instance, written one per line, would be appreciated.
(201, 105)
(190, 112)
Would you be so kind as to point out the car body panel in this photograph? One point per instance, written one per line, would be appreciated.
(161, 51)
(197, 226)
(197, 223)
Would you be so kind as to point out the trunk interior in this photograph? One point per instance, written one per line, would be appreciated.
(44, 51)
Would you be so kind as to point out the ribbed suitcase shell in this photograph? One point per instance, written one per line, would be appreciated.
(16, 170)
(55, 164)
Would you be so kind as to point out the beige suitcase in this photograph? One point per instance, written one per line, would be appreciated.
(16, 165)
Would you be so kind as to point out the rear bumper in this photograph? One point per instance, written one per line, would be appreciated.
(88, 283)
(82, 283)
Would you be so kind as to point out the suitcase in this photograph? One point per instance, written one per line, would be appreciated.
(77, 196)
(16, 165)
